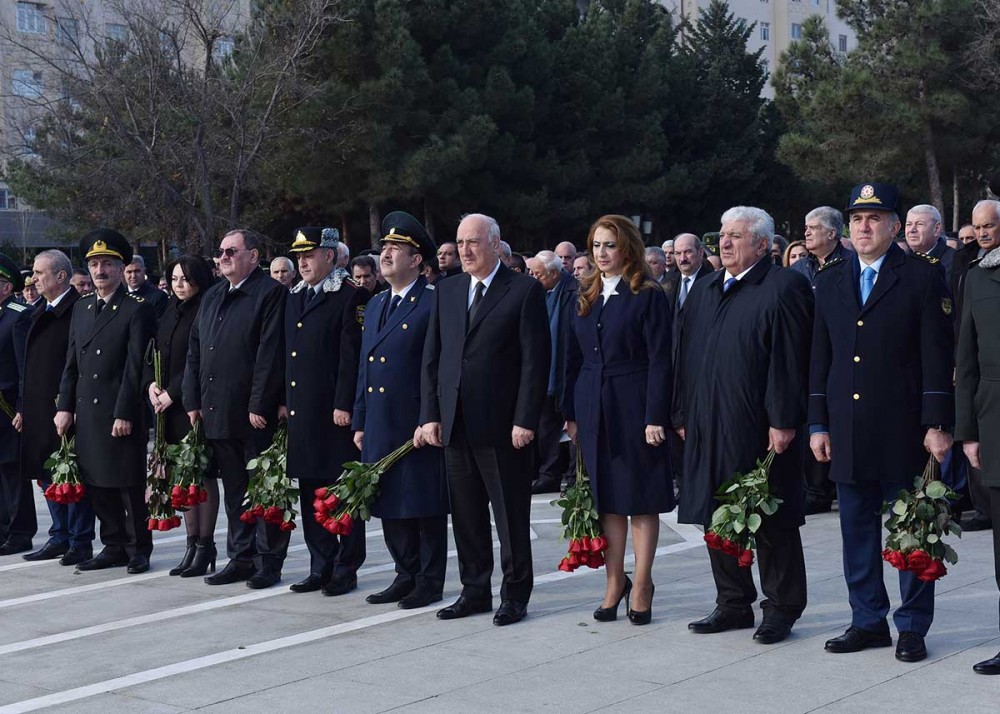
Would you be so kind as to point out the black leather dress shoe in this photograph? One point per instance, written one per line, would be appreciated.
(394, 593)
(420, 597)
(910, 647)
(988, 666)
(772, 630)
(104, 559)
(721, 620)
(234, 572)
(75, 556)
(49, 551)
(310, 585)
(341, 586)
(138, 563)
(15, 545)
(856, 639)
(465, 606)
(509, 612)
(977, 523)
(259, 581)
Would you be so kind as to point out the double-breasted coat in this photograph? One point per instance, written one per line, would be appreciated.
(387, 405)
(14, 321)
(977, 389)
(322, 342)
(743, 368)
(618, 381)
(44, 360)
(172, 336)
(881, 373)
(102, 381)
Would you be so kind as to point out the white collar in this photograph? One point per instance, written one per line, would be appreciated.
(60, 298)
(876, 266)
(403, 293)
(485, 281)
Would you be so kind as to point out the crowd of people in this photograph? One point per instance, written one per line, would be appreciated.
(664, 370)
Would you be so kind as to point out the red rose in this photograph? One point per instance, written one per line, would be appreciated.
(81, 490)
(575, 546)
(202, 496)
(151, 524)
(319, 506)
(176, 520)
(63, 489)
(574, 560)
(193, 490)
(565, 566)
(257, 510)
(584, 558)
(248, 517)
(319, 517)
(273, 515)
(713, 541)
(332, 501)
(730, 548)
(176, 491)
(745, 558)
(596, 561)
(320, 492)
(598, 544)
(585, 543)
(164, 526)
(346, 524)
(288, 526)
(935, 570)
(917, 561)
(50, 492)
(332, 526)
(894, 558)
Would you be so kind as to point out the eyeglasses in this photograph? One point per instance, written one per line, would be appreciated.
(227, 252)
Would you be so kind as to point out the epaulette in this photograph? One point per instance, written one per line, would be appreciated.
(831, 263)
(136, 297)
(17, 307)
(352, 282)
(929, 258)
(429, 287)
(976, 261)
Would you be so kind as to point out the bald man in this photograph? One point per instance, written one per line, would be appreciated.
(567, 254)
(283, 271)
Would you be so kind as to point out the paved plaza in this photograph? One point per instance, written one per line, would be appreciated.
(108, 642)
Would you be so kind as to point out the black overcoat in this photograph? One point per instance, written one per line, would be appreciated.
(742, 368)
(881, 374)
(172, 336)
(977, 389)
(155, 297)
(236, 358)
(387, 405)
(102, 381)
(15, 319)
(322, 341)
(44, 360)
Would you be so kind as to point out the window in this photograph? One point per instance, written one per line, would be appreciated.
(765, 31)
(8, 202)
(816, 3)
(116, 32)
(223, 49)
(27, 84)
(30, 18)
(67, 30)
(796, 31)
(842, 43)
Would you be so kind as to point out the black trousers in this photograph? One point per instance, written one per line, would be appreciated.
(263, 545)
(419, 547)
(782, 574)
(819, 489)
(995, 515)
(981, 495)
(480, 477)
(17, 512)
(122, 514)
(330, 556)
(552, 456)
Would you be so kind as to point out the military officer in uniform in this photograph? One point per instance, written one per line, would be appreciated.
(413, 500)
(323, 321)
(880, 398)
(17, 507)
(101, 389)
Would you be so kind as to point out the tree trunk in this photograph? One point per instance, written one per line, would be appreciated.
(956, 215)
(374, 224)
(428, 218)
(930, 158)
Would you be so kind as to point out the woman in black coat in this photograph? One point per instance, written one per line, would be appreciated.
(189, 278)
(618, 380)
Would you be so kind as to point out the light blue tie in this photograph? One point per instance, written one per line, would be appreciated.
(867, 282)
(728, 284)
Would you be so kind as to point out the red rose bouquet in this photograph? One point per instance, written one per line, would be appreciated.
(188, 461)
(66, 485)
(581, 524)
(917, 522)
(745, 500)
(270, 493)
(162, 516)
(337, 507)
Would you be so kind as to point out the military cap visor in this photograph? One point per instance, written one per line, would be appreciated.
(874, 196)
(105, 242)
(10, 272)
(311, 238)
(402, 228)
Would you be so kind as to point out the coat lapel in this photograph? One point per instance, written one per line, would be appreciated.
(886, 277)
(498, 288)
(110, 311)
(406, 306)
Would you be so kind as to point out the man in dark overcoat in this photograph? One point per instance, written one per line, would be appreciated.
(72, 532)
(413, 496)
(743, 365)
(234, 383)
(101, 389)
(880, 398)
(485, 367)
(977, 393)
(18, 524)
(323, 319)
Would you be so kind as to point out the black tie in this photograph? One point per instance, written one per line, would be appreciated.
(393, 304)
(476, 300)
(100, 306)
(310, 295)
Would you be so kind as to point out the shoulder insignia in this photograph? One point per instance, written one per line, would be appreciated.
(929, 258)
(359, 314)
(17, 307)
(352, 282)
(429, 287)
(946, 306)
(136, 297)
(974, 262)
(831, 263)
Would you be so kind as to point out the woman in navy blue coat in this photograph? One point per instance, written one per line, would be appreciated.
(617, 405)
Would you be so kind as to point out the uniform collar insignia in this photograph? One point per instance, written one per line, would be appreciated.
(332, 284)
(990, 260)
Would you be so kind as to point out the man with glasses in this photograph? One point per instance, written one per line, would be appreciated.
(234, 383)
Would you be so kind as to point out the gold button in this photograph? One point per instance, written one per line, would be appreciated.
(857, 397)
(856, 358)
(299, 325)
(381, 359)
(291, 413)
(293, 384)
(861, 323)
(381, 390)
(405, 326)
(295, 354)
(371, 359)
(370, 390)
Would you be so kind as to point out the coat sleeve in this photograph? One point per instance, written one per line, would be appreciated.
(656, 331)
(536, 355)
(350, 350)
(267, 384)
(574, 363)
(820, 357)
(67, 385)
(967, 371)
(20, 335)
(430, 408)
(191, 387)
(128, 403)
(788, 371)
(937, 360)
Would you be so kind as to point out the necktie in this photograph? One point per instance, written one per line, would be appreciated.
(684, 292)
(49, 307)
(100, 306)
(393, 304)
(729, 283)
(867, 282)
(310, 295)
(477, 298)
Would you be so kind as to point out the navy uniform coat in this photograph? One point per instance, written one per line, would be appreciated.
(881, 374)
(322, 340)
(15, 320)
(387, 406)
(618, 381)
(44, 359)
(742, 368)
(102, 381)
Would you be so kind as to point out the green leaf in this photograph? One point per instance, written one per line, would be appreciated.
(950, 555)
(936, 489)
(769, 508)
(754, 522)
(899, 508)
(932, 538)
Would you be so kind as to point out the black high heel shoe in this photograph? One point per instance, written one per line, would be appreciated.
(204, 557)
(642, 617)
(609, 614)
(188, 557)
